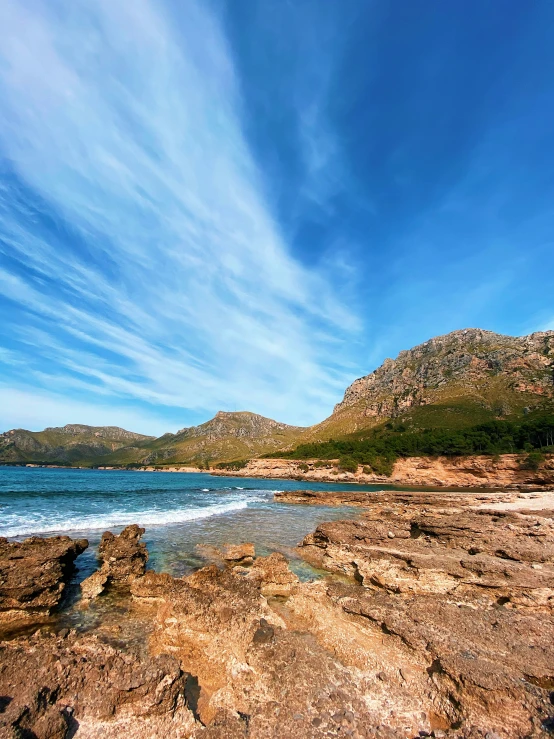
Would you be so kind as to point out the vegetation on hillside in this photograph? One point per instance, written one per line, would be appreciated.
(379, 448)
(237, 464)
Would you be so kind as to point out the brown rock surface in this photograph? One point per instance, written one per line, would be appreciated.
(230, 554)
(273, 575)
(467, 591)
(370, 498)
(256, 677)
(123, 559)
(242, 553)
(440, 624)
(456, 472)
(53, 687)
(443, 544)
(124, 556)
(33, 575)
(94, 585)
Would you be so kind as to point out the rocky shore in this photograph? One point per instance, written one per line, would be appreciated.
(505, 471)
(435, 619)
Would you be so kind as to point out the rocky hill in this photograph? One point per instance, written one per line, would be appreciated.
(65, 445)
(460, 379)
(227, 436)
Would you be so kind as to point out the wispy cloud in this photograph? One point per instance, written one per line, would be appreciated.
(140, 256)
(37, 410)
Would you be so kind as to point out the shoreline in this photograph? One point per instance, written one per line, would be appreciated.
(473, 499)
(384, 484)
(426, 595)
(504, 472)
(507, 471)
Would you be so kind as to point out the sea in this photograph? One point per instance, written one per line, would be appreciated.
(180, 512)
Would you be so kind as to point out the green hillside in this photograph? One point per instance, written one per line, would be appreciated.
(71, 444)
(225, 437)
(454, 382)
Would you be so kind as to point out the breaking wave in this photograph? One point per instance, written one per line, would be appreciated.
(104, 521)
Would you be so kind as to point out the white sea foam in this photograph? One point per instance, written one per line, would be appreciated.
(113, 519)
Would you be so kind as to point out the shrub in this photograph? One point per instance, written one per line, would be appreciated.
(348, 464)
(532, 461)
(383, 465)
(303, 467)
(237, 464)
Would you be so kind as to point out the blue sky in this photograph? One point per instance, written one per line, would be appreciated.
(246, 204)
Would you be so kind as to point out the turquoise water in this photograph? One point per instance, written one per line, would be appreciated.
(178, 510)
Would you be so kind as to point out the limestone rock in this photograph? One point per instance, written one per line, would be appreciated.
(239, 553)
(256, 678)
(467, 591)
(94, 585)
(33, 575)
(449, 548)
(230, 554)
(123, 559)
(274, 575)
(79, 683)
(478, 471)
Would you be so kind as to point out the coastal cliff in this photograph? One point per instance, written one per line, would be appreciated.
(507, 470)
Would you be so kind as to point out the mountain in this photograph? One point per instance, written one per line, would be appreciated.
(460, 379)
(227, 436)
(454, 381)
(65, 445)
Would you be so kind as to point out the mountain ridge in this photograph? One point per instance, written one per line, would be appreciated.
(454, 380)
(228, 435)
(468, 375)
(52, 445)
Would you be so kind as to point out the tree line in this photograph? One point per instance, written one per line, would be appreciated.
(379, 448)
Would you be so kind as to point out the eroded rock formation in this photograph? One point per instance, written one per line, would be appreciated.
(273, 575)
(438, 621)
(34, 574)
(506, 471)
(462, 585)
(54, 687)
(257, 677)
(123, 559)
(231, 554)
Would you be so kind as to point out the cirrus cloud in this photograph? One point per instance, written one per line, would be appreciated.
(141, 261)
